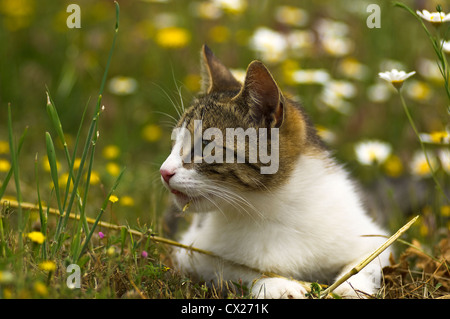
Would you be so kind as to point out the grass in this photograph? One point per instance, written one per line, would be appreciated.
(62, 170)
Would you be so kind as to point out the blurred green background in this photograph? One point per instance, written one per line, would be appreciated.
(321, 53)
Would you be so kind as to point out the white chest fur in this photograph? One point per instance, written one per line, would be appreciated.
(312, 228)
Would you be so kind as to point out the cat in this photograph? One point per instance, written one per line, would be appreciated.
(304, 222)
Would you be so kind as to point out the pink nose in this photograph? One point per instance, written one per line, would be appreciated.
(166, 175)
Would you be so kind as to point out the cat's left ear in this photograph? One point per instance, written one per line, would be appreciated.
(261, 94)
(215, 76)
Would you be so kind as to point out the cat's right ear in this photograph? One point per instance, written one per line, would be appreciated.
(215, 76)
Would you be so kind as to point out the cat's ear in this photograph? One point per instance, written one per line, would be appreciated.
(261, 94)
(215, 76)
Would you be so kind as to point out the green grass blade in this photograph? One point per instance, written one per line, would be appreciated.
(11, 170)
(15, 167)
(103, 208)
(42, 217)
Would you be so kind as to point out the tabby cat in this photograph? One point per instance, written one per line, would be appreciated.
(303, 222)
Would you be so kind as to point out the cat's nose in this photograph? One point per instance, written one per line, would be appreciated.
(166, 174)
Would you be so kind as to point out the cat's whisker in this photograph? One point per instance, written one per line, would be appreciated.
(173, 121)
(175, 105)
(234, 199)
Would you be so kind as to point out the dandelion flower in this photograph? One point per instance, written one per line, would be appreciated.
(5, 165)
(434, 17)
(172, 37)
(372, 152)
(113, 169)
(445, 210)
(36, 236)
(393, 166)
(111, 152)
(395, 77)
(4, 147)
(127, 201)
(151, 133)
(40, 288)
(95, 178)
(47, 265)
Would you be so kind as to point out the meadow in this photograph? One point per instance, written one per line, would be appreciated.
(86, 116)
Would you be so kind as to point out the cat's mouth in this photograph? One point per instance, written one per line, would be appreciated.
(183, 198)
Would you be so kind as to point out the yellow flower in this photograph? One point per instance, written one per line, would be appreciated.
(111, 251)
(151, 133)
(17, 13)
(7, 293)
(445, 210)
(36, 236)
(219, 33)
(47, 265)
(40, 288)
(5, 165)
(111, 152)
(113, 198)
(95, 178)
(393, 166)
(76, 163)
(192, 82)
(127, 201)
(4, 147)
(46, 164)
(113, 169)
(172, 37)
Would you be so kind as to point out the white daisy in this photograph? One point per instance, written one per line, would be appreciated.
(395, 77)
(122, 85)
(419, 165)
(446, 46)
(270, 44)
(372, 152)
(444, 157)
(434, 17)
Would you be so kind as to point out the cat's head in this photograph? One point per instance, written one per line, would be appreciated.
(235, 138)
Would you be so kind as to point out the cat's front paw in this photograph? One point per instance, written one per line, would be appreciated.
(278, 288)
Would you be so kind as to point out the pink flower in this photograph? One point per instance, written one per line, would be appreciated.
(144, 254)
(101, 235)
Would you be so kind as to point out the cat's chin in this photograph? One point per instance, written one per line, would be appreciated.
(182, 200)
